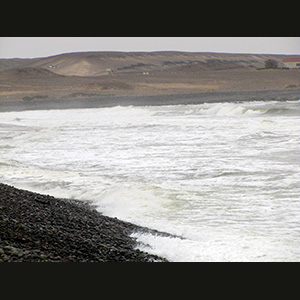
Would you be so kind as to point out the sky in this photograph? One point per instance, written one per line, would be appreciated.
(31, 47)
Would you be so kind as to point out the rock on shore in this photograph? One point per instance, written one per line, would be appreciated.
(41, 228)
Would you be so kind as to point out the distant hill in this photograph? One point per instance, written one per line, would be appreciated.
(94, 74)
(27, 72)
(99, 63)
(10, 63)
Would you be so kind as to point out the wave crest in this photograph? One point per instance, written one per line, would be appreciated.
(248, 109)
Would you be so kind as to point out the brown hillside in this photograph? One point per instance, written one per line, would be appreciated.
(96, 63)
(81, 75)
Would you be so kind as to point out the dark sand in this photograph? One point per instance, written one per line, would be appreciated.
(41, 228)
(154, 100)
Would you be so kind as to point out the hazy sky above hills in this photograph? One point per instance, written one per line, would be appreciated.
(30, 47)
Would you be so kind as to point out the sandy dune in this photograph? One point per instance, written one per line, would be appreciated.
(92, 74)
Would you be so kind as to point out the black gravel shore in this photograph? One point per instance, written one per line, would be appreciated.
(41, 228)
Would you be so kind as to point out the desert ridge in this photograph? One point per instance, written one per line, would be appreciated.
(94, 74)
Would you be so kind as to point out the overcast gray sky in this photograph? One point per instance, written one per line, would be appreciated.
(29, 47)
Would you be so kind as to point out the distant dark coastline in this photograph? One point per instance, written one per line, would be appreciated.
(151, 100)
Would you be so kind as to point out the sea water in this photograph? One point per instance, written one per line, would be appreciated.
(223, 177)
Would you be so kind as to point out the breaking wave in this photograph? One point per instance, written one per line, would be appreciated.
(223, 176)
(244, 109)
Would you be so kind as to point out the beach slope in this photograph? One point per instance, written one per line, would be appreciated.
(41, 228)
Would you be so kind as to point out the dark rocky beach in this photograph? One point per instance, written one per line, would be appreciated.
(41, 228)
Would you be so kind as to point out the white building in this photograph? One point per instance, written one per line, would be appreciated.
(292, 63)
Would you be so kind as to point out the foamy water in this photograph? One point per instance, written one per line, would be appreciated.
(224, 177)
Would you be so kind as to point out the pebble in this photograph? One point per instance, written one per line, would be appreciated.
(40, 228)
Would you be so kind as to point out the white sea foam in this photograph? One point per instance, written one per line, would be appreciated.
(223, 177)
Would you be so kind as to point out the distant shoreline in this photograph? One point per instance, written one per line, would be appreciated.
(151, 100)
(103, 79)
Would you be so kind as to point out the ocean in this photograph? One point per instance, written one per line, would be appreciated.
(223, 178)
